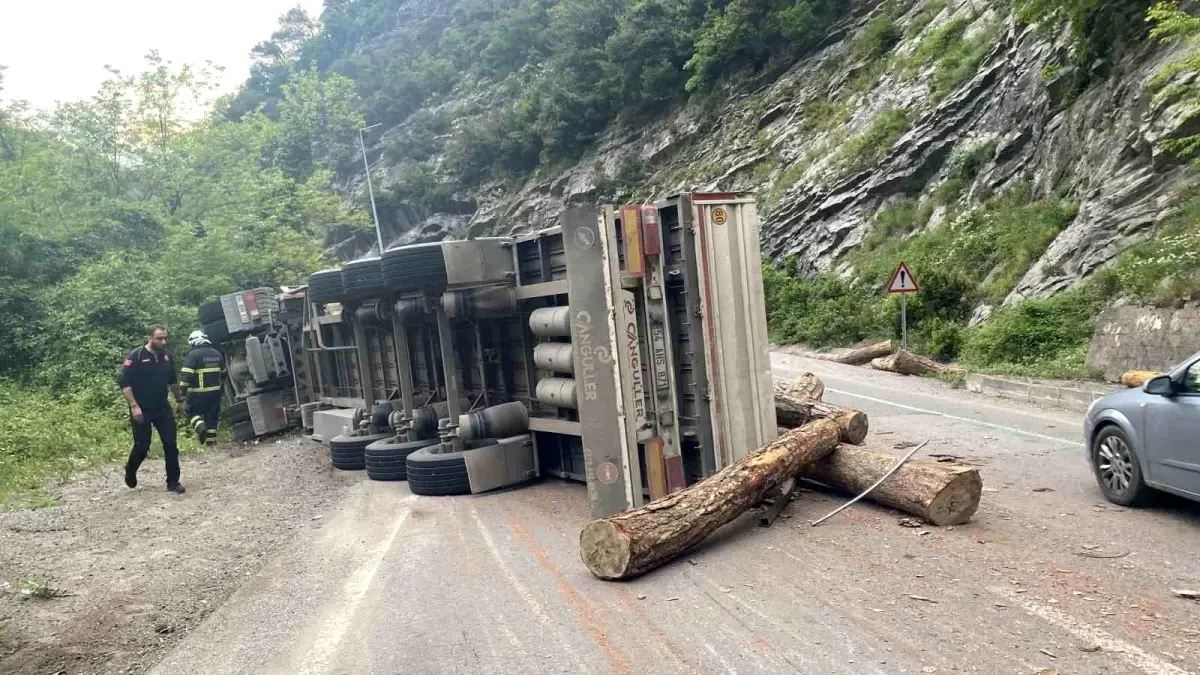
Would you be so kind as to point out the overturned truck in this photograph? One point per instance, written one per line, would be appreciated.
(625, 348)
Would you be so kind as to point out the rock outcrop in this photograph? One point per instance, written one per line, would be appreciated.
(1018, 108)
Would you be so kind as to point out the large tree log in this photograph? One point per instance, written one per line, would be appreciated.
(806, 387)
(857, 357)
(792, 412)
(942, 494)
(634, 542)
(908, 363)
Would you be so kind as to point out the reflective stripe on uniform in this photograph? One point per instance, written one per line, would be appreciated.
(185, 369)
(200, 373)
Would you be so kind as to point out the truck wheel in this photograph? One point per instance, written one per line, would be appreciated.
(238, 412)
(385, 459)
(363, 279)
(210, 312)
(326, 286)
(217, 331)
(413, 267)
(441, 474)
(243, 431)
(347, 452)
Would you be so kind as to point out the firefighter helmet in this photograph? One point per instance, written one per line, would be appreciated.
(197, 338)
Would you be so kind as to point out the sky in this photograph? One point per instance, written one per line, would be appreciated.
(56, 50)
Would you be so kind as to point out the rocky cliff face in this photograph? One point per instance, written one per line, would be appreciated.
(840, 136)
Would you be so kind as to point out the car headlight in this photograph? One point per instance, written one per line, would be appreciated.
(1092, 408)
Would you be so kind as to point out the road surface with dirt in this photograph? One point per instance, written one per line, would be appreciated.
(356, 576)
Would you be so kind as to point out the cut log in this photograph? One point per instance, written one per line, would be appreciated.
(942, 494)
(857, 357)
(807, 387)
(1138, 378)
(908, 363)
(634, 542)
(792, 412)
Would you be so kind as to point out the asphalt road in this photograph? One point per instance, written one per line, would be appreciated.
(392, 583)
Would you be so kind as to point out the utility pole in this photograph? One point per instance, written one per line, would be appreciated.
(370, 190)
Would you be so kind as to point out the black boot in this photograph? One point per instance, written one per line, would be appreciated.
(130, 477)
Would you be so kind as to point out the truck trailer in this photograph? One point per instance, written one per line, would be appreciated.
(624, 348)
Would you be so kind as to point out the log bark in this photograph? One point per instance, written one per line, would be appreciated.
(942, 494)
(1138, 378)
(807, 387)
(857, 357)
(908, 363)
(792, 412)
(632, 543)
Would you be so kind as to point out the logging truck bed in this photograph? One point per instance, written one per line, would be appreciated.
(388, 582)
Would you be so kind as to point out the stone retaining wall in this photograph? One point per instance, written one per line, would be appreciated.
(1141, 337)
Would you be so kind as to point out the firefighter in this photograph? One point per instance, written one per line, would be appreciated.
(202, 375)
(145, 377)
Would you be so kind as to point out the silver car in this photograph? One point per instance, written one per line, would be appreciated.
(1145, 438)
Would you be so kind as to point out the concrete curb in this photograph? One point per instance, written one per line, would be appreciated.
(1071, 398)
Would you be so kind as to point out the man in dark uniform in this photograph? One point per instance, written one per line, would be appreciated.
(201, 377)
(145, 377)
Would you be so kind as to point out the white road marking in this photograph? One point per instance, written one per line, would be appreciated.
(902, 406)
(318, 658)
(1134, 655)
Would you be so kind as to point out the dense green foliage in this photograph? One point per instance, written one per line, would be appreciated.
(564, 70)
(977, 255)
(1099, 28)
(122, 211)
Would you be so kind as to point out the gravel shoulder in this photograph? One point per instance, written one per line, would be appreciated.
(141, 568)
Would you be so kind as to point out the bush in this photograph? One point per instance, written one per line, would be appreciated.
(47, 437)
(1099, 28)
(938, 337)
(978, 255)
(822, 312)
(881, 35)
(1167, 268)
(1048, 337)
(872, 145)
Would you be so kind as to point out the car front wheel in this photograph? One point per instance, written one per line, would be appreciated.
(1117, 469)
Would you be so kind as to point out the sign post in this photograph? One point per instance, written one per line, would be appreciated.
(903, 282)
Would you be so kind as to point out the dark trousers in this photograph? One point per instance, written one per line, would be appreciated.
(164, 422)
(204, 409)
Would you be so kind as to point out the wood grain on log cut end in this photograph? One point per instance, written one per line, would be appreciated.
(604, 549)
(853, 426)
(1138, 378)
(957, 502)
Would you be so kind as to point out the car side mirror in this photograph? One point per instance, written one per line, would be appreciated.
(1162, 385)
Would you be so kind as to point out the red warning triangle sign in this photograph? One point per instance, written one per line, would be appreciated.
(903, 280)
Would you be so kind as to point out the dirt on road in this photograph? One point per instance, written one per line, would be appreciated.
(111, 578)
(1047, 575)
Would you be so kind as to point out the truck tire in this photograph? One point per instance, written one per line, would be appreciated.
(238, 412)
(217, 331)
(386, 459)
(210, 312)
(363, 279)
(326, 286)
(441, 474)
(347, 453)
(414, 267)
(243, 431)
